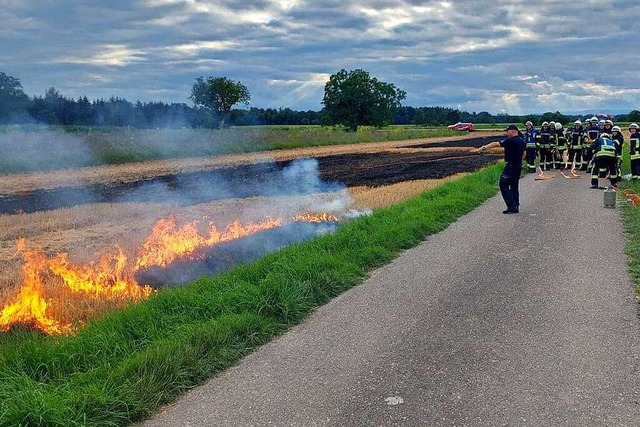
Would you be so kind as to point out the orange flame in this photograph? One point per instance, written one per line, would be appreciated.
(111, 278)
(29, 306)
(108, 279)
(169, 242)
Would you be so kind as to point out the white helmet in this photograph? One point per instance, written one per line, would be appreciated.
(593, 119)
(577, 122)
(558, 126)
(544, 124)
(605, 135)
(601, 123)
(633, 126)
(608, 122)
(616, 129)
(528, 124)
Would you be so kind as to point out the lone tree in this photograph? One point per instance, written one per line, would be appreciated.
(354, 98)
(219, 95)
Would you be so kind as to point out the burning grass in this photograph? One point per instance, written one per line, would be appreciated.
(100, 248)
(123, 366)
(56, 294)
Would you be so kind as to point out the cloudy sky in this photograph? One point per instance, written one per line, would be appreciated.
(499, 56)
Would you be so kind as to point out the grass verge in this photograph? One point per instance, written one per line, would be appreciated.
(119, 369)
(631, 224)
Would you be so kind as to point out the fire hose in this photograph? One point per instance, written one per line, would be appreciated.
(630, 194)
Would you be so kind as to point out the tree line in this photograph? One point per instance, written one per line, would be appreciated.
(378, 107)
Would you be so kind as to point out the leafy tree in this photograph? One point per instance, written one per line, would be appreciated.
(485, 117)
(634, 116)
(453, 116)
(557, 117)
(354, 98)
(219, 95)
(13, 100)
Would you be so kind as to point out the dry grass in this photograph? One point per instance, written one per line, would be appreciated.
(86, 231)
(378, 197)
(133, 172)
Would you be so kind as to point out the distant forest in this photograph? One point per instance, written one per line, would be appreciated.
(56, 109)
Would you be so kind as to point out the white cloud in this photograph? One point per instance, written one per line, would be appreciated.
(110, 54)
(507, 56)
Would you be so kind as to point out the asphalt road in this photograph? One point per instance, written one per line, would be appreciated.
(501, 320)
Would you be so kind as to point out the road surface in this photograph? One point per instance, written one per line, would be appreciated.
(500, 320)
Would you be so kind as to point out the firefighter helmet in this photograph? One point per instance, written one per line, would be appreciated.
(544, 124)
(528, 124)
(593, 119)
(633, 126)
(608, 122)
(577, 122)
(558, 126)
(616, 129)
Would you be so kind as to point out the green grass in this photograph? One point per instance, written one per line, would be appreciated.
(28, 149)
(631, 222)
(119, 369)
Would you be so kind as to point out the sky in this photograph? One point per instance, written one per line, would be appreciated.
(514, 57)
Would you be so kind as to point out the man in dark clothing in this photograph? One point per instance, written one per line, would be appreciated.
(514, 149)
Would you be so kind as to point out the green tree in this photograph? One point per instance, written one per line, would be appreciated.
(219, 95)
(354, 98)
(557, 117)
(13, 100)
(453, 116)
(634, 116)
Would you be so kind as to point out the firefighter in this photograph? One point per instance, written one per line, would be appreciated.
(561, 146)
(575, 137)
(607, 127)
(552, 144)
(592, 132)
(604, 160)
(543, 142)
(529, 136)
(618, 140)
(634, 150)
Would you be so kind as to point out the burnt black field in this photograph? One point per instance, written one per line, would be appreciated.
(261, 179)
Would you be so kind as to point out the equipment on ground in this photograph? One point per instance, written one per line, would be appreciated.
(609, 197)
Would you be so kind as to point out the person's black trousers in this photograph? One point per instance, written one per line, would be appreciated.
(509, 181)
(635, 168)
(531, 159)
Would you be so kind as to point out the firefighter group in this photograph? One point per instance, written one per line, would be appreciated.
(594, 146)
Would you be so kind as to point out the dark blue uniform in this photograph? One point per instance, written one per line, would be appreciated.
(530, 141)
(592, 133)
(576, 141)
(604, 161)
(513, 150)
(634, 153)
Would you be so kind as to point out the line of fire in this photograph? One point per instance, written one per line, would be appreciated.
(52, 284)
